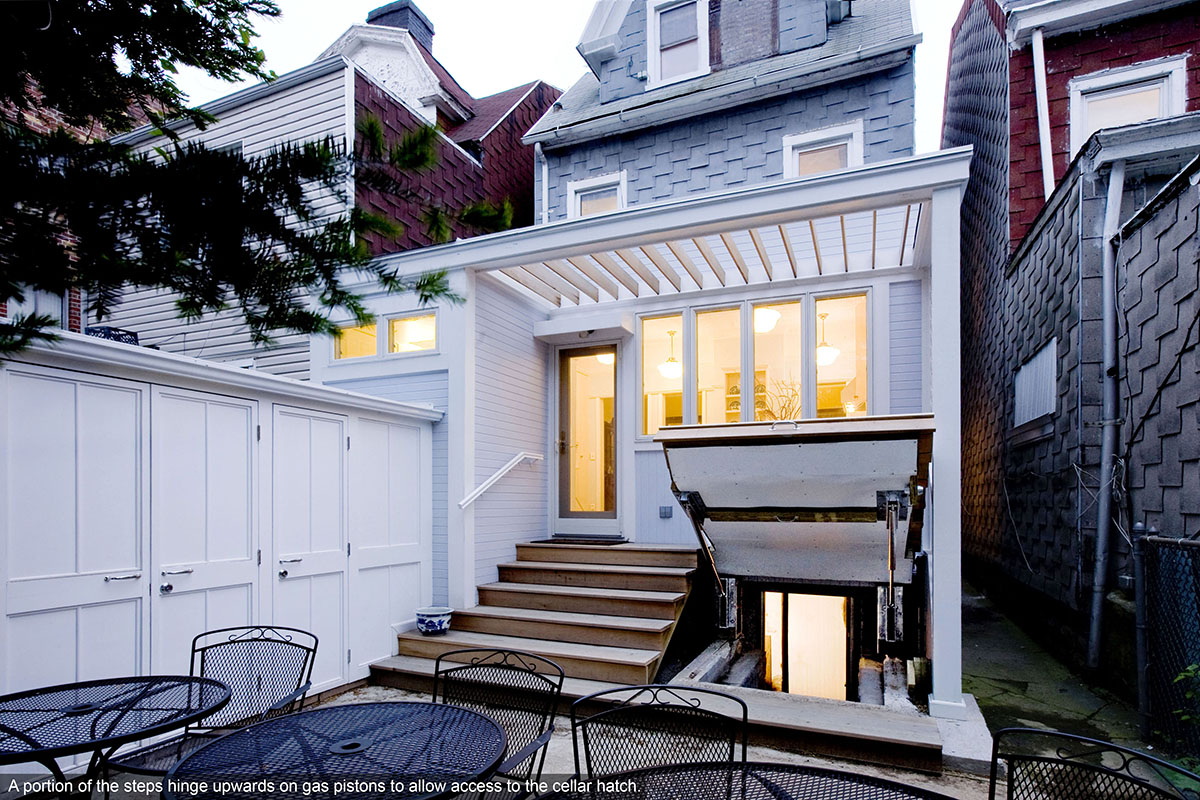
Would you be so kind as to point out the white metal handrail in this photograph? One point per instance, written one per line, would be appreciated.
(519, 458)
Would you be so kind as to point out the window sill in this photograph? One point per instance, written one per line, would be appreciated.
(659, 83)
(1035, 430)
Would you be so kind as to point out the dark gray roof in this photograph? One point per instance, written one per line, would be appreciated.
(877, 28)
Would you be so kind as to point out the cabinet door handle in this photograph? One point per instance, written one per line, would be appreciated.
(133, 577)
(187, 571)
(290, 560)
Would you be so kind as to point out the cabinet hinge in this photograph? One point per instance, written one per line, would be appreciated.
(347, 442)
(347, 655)
(347, 549)
(260, 558)
(258, 433)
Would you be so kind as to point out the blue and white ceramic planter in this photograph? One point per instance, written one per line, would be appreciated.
(434, 620)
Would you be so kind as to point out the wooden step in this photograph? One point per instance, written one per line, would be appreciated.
(416, 674)
(583, 599)
(565, 626)
(614, 664)
(606, 576)
(632, 555)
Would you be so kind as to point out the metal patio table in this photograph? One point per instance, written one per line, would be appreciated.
(752, 781)
(44, 724)
(358, 750)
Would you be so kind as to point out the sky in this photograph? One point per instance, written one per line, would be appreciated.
(493, 45)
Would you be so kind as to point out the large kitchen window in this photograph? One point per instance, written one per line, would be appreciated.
(841, 356)
(719, 365)
(662, 372)
(778, 361)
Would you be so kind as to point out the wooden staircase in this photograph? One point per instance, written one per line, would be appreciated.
(604, 613)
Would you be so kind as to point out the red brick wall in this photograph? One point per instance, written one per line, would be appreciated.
(508, 164)
(1169, 33)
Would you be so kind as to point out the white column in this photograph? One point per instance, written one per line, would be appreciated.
(945, 370)
(458, 332)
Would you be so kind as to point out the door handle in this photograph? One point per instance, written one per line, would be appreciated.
(165, 588)
(290, 560)
(283, 573)
(187, 571)
(133, 577)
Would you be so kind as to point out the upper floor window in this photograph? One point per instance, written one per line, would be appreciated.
(678, 39)
(356, 341)
(36, 301)
(408, 333)
(1127, 95)
(823, 150)
(1035, 386)
(596, 195)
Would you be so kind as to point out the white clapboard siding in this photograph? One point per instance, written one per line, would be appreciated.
(906, 334)
(510, 417)
(306, 110)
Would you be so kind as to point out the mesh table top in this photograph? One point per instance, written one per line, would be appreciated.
(360, 750)
(730, 782)
(55, 721)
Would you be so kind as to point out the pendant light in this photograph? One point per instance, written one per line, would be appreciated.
(607, 359)
(765, 319)
(671, 369)
(826, 353)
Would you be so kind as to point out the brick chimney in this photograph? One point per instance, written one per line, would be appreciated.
(404, 14)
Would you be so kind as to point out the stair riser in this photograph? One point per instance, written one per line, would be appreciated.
(432, 647)
(613, 606)
(582, 634)
(607, 555)
(597, 580)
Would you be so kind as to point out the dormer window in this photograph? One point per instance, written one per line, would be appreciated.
(678, 40)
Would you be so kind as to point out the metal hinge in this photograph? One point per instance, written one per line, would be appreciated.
(347, 549)
(347, 655)
(258, 432)
(260, 558)
(347, 442)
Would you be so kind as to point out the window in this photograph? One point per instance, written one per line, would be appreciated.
(1127, 95)
(596, 195)
(662, 372)
(719, 365)
(823, 150)
(778, 363)
(355, 341)
(36, 301)
(412, 334)
(841, 356)
(678, 40)
(1035, 387)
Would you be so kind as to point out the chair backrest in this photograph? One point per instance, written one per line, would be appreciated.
(260, 664)
(657, 725)
(1060, 766)
(519, 690)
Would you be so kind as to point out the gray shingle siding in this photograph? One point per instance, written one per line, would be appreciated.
(801, 24)
(738, 147)
(618, 77)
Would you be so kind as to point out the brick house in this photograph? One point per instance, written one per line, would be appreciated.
(1082, 118)
(384, 68)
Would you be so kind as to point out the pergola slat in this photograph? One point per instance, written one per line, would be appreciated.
(594, 275)
(787, 247)
(651, 252)
(639, 268)
(762, 253)
(571, 276)
(686, 262)
(736, 255)
(711, 258)
(904, 235)
(618, 272)
(552, 280)
(532, 284)
(812, 229)
(845, 248)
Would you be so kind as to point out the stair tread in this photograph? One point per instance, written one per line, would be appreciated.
(572, 688)
(587, 591)
(647, 624)
(628, 548)
(544, 647)
(571, 566)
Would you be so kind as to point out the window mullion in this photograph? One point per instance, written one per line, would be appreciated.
(690, 367)
(748, 379)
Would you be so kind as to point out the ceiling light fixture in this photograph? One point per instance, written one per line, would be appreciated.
(826, 353)
(607, 359)
(671, 369)
(765, 319)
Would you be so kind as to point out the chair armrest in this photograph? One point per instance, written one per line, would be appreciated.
(284, 702)
(514, 761)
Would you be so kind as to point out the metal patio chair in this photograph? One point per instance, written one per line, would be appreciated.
(657, 725)
(518, 690)
(1059, 766)
(268, 670)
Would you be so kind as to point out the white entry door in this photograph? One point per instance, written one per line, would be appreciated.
(74, 451)
(391, 535)
(204, 536)
(308, 521)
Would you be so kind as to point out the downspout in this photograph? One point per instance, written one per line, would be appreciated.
(1043, 113)
(1108, 409)
(540, 157)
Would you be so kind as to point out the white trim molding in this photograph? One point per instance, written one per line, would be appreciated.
(575, 189)
(1170, 73)
(1070, 16)
(849, 133)
(653, 68)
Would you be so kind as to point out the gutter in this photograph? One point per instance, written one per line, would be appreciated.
(1043, 113)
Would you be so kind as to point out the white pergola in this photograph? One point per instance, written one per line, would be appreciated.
(896, 214)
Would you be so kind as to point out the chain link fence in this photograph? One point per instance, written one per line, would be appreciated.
(1172, 598)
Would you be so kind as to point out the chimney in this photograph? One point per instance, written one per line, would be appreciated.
(404, 14)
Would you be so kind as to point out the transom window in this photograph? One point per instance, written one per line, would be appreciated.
(597, 195)
(678, 40)
(757, 361)
(823, 150)
(1125, 96)
(406, 334)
